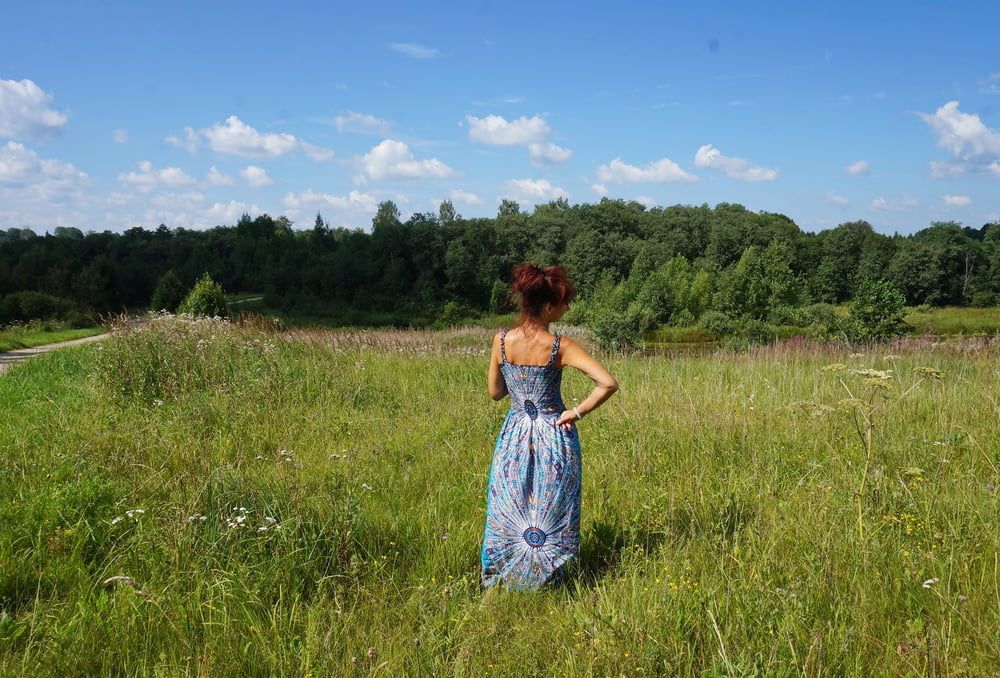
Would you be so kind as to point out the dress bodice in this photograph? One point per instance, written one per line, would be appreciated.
(533, 389)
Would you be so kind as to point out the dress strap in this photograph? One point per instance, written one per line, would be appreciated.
(555, 349)
(503, 349)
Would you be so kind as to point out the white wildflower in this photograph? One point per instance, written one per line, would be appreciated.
(930, 582)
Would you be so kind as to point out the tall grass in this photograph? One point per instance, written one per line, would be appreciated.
(312, 504)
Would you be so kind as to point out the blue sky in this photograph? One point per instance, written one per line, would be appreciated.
(121, 114)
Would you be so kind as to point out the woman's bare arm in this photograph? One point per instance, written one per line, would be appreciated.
(494, 377)
(605, 385)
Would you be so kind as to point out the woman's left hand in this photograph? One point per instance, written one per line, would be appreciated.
(567, 420)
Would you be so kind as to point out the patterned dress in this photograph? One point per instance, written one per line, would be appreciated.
(532, 529)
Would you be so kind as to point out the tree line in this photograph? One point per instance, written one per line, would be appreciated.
(679, 262)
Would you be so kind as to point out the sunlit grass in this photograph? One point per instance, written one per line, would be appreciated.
(719, 517)
(37, 333)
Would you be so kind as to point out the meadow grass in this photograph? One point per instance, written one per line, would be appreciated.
(312, 503)
(37, 333)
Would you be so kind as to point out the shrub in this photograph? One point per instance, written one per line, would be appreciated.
(30, 305)
(717, 322)
(169, 293)
(205, 299)
(878, 310)
(984, 299)
(615, 320)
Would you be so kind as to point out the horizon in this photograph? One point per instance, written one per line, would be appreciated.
(190, 116)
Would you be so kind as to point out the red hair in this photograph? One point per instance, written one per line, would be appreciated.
(534, 287)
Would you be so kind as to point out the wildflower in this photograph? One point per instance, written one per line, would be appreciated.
(157, 401)
(930, 582)
(834, 367)
(850, 402)
(856, 355)
(890, 357)
(930, 372)
(197, 517)
(869, 373)
(366, 486)
(132, 513)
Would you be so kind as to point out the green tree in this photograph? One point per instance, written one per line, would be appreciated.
(446, 212)
(878, 310)
(169, 293)
(508, 208)
(206, 298)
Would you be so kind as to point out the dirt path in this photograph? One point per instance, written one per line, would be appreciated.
(13, 357)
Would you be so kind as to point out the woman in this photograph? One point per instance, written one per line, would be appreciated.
(532, 532)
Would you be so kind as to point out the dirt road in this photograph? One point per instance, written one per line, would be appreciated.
(13, 357)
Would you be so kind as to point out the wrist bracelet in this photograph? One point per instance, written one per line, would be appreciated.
(578, 415)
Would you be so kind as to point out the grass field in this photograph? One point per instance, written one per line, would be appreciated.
(312, 504)
(38, 333)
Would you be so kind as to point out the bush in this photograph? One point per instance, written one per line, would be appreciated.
(823, 313)
(801, 316)
(169, 293)
(30, 305)
(615, 320)
(984, 299)
(717, 322)
(205, 299)
(878, 310)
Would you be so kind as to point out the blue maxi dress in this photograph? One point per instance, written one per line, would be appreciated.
(532, 533)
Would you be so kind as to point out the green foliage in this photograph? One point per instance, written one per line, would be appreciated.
(30, 305)
(169, 293)
(717, 322)
(206, 298)
(615, 318)
(760, 281)
(500, 301)
(877, 310)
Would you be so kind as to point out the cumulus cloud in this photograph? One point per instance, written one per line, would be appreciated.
(189, 141)
(548, 153)
(882, 204)
(392, 159)
(857, 167)
(25, 111)
(413, 50)
(974, 147)
(533, 190)
(228, 213)
(362, 123)
(149, 178)
(217, 178)
(645, 201)
(495, 130)
(355, 200)
(120, 136)
(21, 167)
(235, 137)
(956, 200)
(255, 176)
(659, 171)
(739, 169)
(835, 199)
(599, 189)
(465, 197)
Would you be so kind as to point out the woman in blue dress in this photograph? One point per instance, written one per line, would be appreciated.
(532, 532)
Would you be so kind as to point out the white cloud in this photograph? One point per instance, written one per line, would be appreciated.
(882, 204)
(187, 201)
(974, 147)
(599, 189)
(645, 201)
(857, 167)
(120, 136)
(465, 197)
(392, 159)
(533, 190)
(735, 168)
(149, 178)
(235, 137)
(495, 130)
(355, 201)
(229, 213)
(217, 178)
(414, 51)
(256, 176)
(21, 167)
(956, 200)
(548, 153)
(189, 143)
(362, 123)
(24, 110)
(659, 171)
(238, 138)
(836, 199)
